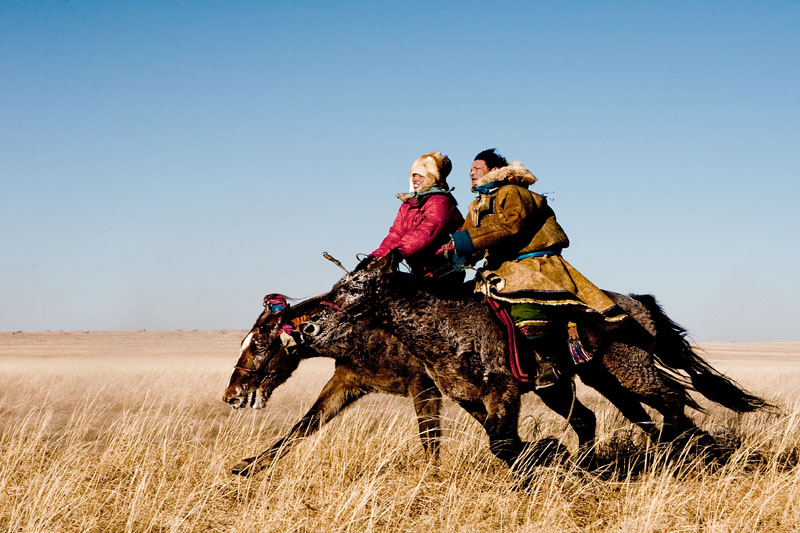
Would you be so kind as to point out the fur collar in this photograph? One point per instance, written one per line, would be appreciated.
(514, 173)
(405, 196)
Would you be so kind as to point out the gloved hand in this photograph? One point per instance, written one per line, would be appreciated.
(462, 249)
(459, 263)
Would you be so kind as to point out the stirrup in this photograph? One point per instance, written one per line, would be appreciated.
(547, 375)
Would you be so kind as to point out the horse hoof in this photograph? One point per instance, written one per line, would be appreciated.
(548, 451)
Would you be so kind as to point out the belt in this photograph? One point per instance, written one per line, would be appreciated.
(541, 253)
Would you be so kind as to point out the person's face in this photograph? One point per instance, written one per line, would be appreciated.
(416, 180)
(477, 170)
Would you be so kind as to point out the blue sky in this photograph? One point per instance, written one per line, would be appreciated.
(164, 165)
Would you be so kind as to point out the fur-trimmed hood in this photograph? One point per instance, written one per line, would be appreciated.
(514, 173)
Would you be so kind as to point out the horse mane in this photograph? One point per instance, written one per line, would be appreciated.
(463, 292)
(292, 311)
(305, 306)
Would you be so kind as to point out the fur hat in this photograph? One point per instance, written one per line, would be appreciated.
(435, 168)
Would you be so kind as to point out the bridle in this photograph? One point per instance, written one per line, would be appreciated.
(265, 362)
(333, 306)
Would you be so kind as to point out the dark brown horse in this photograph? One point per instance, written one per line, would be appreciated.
(463, 347)
(373, 362)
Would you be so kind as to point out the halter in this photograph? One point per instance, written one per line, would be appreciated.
(267, 360)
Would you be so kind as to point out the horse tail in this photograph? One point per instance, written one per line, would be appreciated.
(673, 352)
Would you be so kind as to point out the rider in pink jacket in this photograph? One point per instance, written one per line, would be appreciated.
(426, 218)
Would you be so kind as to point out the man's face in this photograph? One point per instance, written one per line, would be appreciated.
(477, 171)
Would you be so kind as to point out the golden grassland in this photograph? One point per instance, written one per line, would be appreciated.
(115, 431)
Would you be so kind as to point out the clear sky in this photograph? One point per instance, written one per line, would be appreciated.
(165, 164)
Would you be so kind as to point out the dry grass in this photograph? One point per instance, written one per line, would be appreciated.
(126, 432)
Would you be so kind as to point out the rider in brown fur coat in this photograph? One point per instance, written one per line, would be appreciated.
(516, 231)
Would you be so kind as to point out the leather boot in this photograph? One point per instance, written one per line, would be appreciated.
(547, 374)
(547, 347)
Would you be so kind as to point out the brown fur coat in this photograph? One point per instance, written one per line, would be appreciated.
(510, 221)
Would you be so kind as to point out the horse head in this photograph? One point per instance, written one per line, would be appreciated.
(268, 356)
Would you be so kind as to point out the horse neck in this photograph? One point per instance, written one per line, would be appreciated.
(408, 314)
(306, 352)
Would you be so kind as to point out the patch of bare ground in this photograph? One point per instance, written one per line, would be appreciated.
(126, 431)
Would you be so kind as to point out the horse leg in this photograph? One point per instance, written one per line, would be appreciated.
(428, 405)
(477, 410)
(340, 391)
(502, 418)
(623, 399)
(561, 399)
(635, 370)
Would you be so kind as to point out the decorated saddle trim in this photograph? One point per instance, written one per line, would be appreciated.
(513, 350)
(560, 298)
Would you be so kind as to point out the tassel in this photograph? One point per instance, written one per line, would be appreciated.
(576, 349)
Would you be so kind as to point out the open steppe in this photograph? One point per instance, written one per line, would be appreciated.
(126, 431)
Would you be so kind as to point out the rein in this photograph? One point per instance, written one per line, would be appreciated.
(332, 306)
(349, 312)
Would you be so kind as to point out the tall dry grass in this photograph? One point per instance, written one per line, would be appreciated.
(144, 444)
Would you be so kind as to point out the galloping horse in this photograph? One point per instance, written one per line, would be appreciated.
(463, 347)
(373, 362)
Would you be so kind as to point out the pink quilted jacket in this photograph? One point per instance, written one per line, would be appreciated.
(421, 227)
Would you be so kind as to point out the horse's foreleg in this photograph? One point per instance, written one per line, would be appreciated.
(561, 399)
(502, 418)
(337, 393)
(428, 405)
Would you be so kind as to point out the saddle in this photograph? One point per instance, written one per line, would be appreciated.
(576, 350)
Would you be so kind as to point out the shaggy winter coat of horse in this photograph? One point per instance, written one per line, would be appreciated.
(646, 359)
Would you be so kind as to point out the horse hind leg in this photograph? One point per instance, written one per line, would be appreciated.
(623, 399)
(634, 369)
(340, 391)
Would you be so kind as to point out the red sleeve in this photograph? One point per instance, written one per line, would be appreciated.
(438, 213)
(391, 241)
